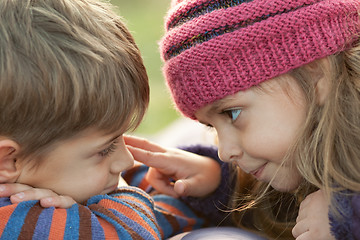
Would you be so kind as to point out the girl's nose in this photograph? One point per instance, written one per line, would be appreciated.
(229, 149)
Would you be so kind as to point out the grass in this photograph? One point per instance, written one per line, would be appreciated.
(145, 19)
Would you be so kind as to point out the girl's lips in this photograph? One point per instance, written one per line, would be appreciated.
(257, 173)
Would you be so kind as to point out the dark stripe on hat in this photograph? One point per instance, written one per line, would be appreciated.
(175, 50)
(204, 8)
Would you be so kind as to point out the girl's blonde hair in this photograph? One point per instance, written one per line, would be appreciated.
(327, 151)
(65, 66)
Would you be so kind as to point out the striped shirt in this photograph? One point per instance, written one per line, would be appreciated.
(128, 213)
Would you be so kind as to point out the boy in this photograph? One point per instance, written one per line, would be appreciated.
(72, 82)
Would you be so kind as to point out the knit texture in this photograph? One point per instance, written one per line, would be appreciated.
(127, 213)
(215, 48)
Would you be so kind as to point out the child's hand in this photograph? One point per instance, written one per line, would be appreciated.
(194, 175)
(313, 221)
(21, 192)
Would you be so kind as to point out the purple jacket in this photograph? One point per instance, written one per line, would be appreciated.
(348, 225)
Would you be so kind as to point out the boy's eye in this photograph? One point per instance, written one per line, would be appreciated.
(107, 151)
(233, 113)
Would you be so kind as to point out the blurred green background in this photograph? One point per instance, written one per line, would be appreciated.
(145, 19)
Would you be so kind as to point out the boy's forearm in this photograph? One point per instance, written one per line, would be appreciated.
(127, 213)
(103, 217)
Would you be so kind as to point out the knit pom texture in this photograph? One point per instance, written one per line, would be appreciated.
(215, 48)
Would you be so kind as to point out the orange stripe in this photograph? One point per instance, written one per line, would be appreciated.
(170, 208)
(134, 199)
(57, 229)
(129, 212)
(144, 184)
(145, 208)
(174, 210)
(110, 216)
(188, 228)
(5, 214)
(109, 230)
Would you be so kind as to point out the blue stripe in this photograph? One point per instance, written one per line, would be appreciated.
(164, 224)
(16, 221)
(143, 197)
(5, 202)
(43, 225)
(138, 228)
(125, 191)
(188, 213)
(72, 223)
(150, 213)
(97, 232)
(139, 195)
(175, 203)
(121, 232)
(135, 206)
(138, 176)
(136, 180)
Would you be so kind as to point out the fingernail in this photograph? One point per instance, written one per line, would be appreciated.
(2, 188)
(20, 195)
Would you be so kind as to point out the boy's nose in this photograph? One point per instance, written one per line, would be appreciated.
(123, 160)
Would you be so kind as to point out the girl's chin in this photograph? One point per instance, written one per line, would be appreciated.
(289, 187)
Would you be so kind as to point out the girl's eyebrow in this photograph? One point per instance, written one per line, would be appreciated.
(218, 104)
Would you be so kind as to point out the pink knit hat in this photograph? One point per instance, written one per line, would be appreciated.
(215, 48)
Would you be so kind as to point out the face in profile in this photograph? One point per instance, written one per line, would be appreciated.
(256, 127)
(85, 165)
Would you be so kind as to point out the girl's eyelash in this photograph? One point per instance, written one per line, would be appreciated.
(107, 151)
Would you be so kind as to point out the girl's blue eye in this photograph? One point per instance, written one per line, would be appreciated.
(233, 113)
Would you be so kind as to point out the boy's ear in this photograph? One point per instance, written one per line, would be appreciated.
(8, 170)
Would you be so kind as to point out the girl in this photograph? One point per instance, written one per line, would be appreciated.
(279, 81)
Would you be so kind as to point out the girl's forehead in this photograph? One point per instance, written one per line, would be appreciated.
(275, 86)
(272, 85)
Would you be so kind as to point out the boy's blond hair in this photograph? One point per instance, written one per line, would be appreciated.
(65, 66)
